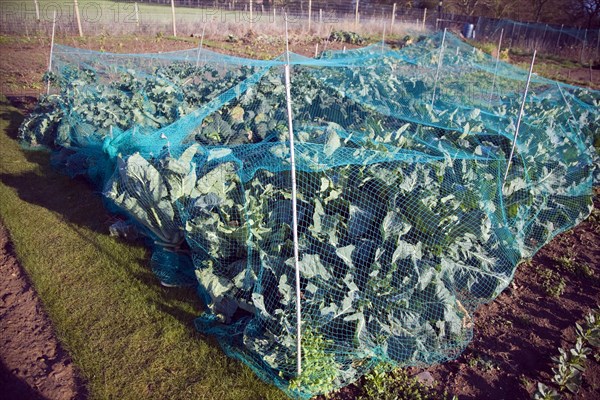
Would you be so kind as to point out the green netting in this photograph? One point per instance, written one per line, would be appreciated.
(405, 225)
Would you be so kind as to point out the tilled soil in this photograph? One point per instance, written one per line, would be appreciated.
(33, 365)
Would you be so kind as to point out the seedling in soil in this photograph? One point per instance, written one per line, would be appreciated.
(569, 264)
(553, 284)
(545, 393)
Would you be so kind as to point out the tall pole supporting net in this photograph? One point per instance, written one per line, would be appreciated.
(51, 51)
(439, 66)
(288, 97)
(519, 118)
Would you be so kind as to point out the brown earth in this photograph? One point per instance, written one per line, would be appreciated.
(33, 365)
(515, 336)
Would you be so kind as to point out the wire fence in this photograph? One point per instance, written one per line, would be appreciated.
(187, 17)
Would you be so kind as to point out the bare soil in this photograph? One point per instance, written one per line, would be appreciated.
(515, 336)
(33, 365)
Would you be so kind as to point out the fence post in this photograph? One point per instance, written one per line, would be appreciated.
(288, 97)
(356, 15)
(37, 10)
(437, 71)
(173, 17)
(77, 17)
(598, 44)
(583, 46)
(424, 17)
(393, 18)
(512, 32)
(559, 34)
(309, 14)
(251, 16)
(320, 15)
(51, 51)
(137, 14)
(522, 109)
(518, 34)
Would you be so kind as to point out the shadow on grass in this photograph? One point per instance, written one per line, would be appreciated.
(171, 299)
(82, 207)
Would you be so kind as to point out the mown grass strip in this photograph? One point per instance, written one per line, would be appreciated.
(129, 337)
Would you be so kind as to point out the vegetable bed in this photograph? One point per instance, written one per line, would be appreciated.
(405, 224)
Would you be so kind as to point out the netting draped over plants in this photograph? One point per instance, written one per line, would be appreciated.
(404, 223)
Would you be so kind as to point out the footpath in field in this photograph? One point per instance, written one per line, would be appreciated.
(33, 364)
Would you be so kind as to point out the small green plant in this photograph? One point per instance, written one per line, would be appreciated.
(595, 215)
(397, 385)
(568, 263)
(319, 368)
(347, 37)
(483, 363)
(553, 284)
(544, 392)
(232, 38)
(590, 331)
(570, 365)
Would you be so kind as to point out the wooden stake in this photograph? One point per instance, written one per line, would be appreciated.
(137, 14)
(583, 46)
(77, 17)
(173, 17)
(356, 15)
(309, 14)
(559, 34)
(37, 10)
(317, 50)
(393, 18)
(598, 44)
(424, 17)
(251, 16)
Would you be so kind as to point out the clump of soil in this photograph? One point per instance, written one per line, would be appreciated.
(33, 364)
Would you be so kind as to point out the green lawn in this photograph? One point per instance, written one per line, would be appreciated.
(129, 337)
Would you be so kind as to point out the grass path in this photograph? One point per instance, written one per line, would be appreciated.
(129, 337)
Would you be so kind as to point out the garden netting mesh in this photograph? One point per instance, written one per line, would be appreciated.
(405, 223)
